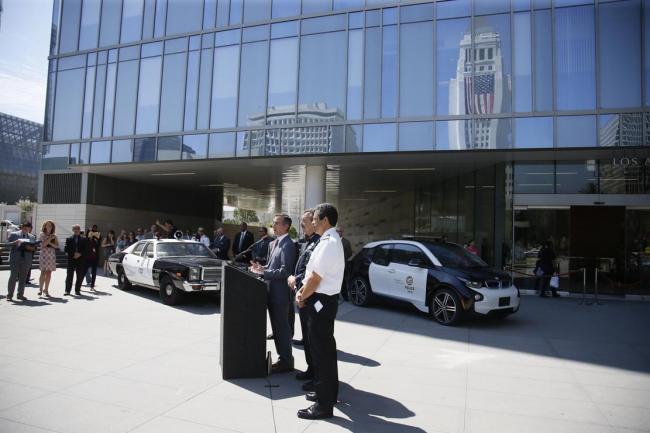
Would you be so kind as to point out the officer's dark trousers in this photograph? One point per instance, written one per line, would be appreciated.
(78, 268)
(302, 314)
(323, 347)
(278, 313)
(292, 318)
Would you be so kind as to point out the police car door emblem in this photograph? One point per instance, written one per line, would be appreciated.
(409, 284)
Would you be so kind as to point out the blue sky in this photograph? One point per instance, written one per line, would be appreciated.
(24, 45)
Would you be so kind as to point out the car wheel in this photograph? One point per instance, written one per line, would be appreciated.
(359, 291)
(122, 282)
(169, 294)
(445, 307)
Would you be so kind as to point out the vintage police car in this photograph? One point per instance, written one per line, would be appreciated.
(174, 267)
(437, 277)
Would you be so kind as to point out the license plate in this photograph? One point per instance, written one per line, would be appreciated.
(504, 302)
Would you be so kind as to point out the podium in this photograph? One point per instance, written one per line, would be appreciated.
(243, 323)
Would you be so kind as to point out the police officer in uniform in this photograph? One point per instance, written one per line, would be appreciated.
(295, 283)
(319, 297)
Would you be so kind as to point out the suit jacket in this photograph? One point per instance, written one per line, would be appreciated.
(71, 247)
(347, 248)
(17, 253)
(261, 250)
(220, 246)
(280, 266)
(248, 241)
(305, 253)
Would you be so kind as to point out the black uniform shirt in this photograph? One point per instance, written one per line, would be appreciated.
(301, 265)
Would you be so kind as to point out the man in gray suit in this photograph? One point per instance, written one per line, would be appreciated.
(280, 264)
(23, 245)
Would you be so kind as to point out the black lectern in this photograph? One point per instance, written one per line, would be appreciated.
(243, 324)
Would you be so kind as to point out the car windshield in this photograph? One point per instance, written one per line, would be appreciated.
(174, 249)
(454, 256)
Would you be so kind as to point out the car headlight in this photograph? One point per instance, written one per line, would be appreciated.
(471, 284)
(195, 274)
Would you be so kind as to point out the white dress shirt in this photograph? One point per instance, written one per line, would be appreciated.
(205, 241)
(327, 260)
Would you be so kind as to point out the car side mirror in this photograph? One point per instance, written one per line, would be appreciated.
(416, 263)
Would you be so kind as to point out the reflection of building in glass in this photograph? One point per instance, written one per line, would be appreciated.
(19, 158)
(480, 88)
(622, 130)
(319, 137)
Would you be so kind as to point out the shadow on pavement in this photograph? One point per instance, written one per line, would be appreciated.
(557, 328)
(195, 303)
(366, 410)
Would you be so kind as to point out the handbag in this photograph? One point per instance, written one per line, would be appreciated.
(555, 281)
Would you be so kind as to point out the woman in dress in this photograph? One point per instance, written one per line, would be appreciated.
(47, 258)
(108, 248)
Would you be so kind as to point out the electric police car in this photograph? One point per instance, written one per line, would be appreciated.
(437, 277)
(174, 267)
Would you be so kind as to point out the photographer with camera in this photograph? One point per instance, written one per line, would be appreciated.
(23, 245)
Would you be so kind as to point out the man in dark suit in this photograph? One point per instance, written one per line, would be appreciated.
(281, 263)
(243, 240)
(75, 247)
(261, 248)
(221, 244)
(295, 283)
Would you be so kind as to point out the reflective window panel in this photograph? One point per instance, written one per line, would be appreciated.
(533, 132)
(620, 130)
(144, 149)
(184, 16)
(148, 95)
(322, 76)
(169, 147)
(252, 84)
(620, 62)
(195, 146)
(355, 74)
(454, 135)
(131, 21)
(222, 145)
(68, 104)
(579, 177)
(379, 137)
(55, 156)
(111, 19)
(453, 39)
(224, 90)
(522, 67)
(121, 151)
(575, 58)
(543, 61)
(172, 97)
(416, 136)
(89, 33)
(353, 138)
(126, 92)
(69, 36)
(576, 131)
(416, 83)
(534, 178)
(100, 152)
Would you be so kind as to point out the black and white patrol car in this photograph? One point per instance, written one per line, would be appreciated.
(174, 267)
(440, 278)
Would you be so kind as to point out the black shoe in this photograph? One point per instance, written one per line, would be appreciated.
(542, 295)
(269, 337)
(66, 294)
(21, 297)
(281, 367)
(308, 386)
(298, 342)
(316, 411)
(305, 375)
(77, 293)
(311, 396)
(556, 295)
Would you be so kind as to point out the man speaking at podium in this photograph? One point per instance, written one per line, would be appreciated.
(280, 264)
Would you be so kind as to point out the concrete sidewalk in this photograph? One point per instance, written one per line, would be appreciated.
(117, 361)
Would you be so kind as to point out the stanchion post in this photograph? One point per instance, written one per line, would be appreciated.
(584, 286)
(596, 288)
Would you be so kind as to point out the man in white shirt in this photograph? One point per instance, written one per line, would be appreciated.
(319, 297)
(202, 237)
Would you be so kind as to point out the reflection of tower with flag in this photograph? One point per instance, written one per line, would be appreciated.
(480, 88)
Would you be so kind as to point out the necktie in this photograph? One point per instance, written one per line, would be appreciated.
(273, 245)
(241, 240)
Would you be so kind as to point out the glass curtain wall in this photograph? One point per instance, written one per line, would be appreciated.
(490, 75)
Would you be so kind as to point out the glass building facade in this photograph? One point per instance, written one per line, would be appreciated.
(19, 158)
(558, 89)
